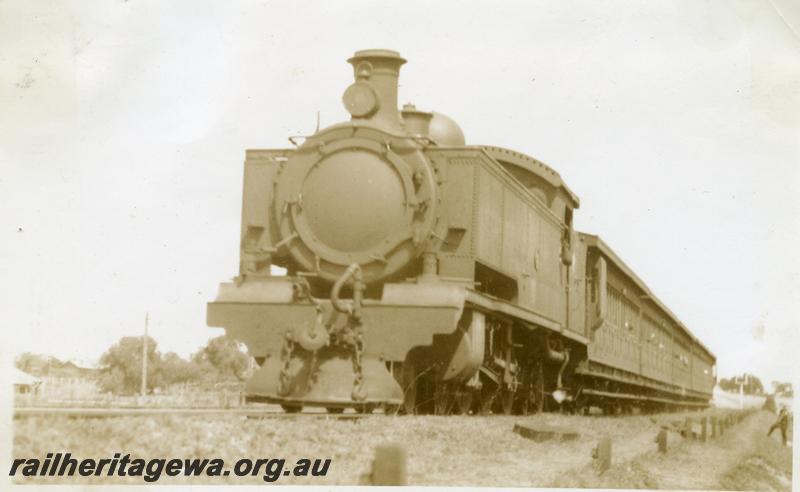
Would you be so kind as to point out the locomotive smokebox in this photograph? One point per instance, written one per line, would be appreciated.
(373, 95)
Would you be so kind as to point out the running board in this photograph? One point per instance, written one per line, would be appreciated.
(580, 371)
(628, 396)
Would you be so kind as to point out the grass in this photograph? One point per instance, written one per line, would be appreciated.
(742, 459)
(476, 451)
(441, 450)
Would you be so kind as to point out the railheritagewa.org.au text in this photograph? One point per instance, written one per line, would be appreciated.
(151, 470)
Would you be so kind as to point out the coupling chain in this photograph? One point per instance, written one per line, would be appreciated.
(358, 369)
(312, 369)
(286, 359)
(350, 335)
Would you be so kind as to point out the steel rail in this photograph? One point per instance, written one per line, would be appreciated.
(90, 412)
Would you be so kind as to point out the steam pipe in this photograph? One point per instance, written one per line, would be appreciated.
(553, 355)
(561, 369)
(354, 272)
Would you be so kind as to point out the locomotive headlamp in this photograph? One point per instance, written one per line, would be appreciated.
(360, 100)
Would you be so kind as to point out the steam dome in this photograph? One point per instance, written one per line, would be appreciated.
(445, 131)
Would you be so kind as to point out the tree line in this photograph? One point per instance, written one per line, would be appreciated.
(751, 385)
(222, 359)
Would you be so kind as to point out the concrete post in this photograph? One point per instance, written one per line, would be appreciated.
(662, 441)
(389, 466)
(602, 456)
(704, 429)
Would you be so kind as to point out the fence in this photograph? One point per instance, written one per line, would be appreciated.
(66, 392)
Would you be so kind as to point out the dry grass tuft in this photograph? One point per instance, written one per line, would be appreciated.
(475, 451)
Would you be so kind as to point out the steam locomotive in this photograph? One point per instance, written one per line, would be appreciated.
(425, 275)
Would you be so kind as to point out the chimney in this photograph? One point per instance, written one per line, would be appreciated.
(373, 96)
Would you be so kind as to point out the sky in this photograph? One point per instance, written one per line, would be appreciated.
(123, 127)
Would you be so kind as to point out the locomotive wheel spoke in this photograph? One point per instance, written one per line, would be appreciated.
(507, 401)
(487, 397)
(525, 404)
(365, 408)
(441, 399)
(463, 402)
(581, 405)
(391, 409)
(410, 400)
(410, 390)
(538, 388)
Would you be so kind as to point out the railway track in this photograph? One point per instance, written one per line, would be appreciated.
(265, 412)
(254, 412)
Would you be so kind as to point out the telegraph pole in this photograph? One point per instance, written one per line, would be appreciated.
(742, 382)
(144, 357)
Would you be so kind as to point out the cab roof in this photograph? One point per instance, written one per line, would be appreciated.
(534, 167)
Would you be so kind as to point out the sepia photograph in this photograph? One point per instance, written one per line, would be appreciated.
(520, 244)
